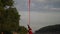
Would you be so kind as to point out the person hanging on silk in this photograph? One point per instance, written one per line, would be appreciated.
(29, 30)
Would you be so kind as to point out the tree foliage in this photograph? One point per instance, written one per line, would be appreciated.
(9, 17)
(22, 30)
(6, 2)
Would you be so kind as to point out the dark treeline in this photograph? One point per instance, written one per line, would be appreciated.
(51, 29)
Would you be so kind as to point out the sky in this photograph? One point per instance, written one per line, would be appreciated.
(43, 12)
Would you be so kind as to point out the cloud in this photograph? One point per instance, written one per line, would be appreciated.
(47, 0)
(37, 5)
(40, 0)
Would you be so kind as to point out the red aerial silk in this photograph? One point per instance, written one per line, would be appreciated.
(29, 11)
(29, 30)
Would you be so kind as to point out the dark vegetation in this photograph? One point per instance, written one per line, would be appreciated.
(51, 29)
(9, 18)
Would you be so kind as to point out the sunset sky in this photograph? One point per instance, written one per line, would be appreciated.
(43, 12)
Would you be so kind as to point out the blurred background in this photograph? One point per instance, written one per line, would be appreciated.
(43, 13)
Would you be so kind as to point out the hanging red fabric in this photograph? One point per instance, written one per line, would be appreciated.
(29, 28)
(28, 12)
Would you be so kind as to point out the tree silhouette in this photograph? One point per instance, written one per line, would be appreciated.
(51, 29)
(9, 17)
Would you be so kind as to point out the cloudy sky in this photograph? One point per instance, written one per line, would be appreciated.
(43, 12)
